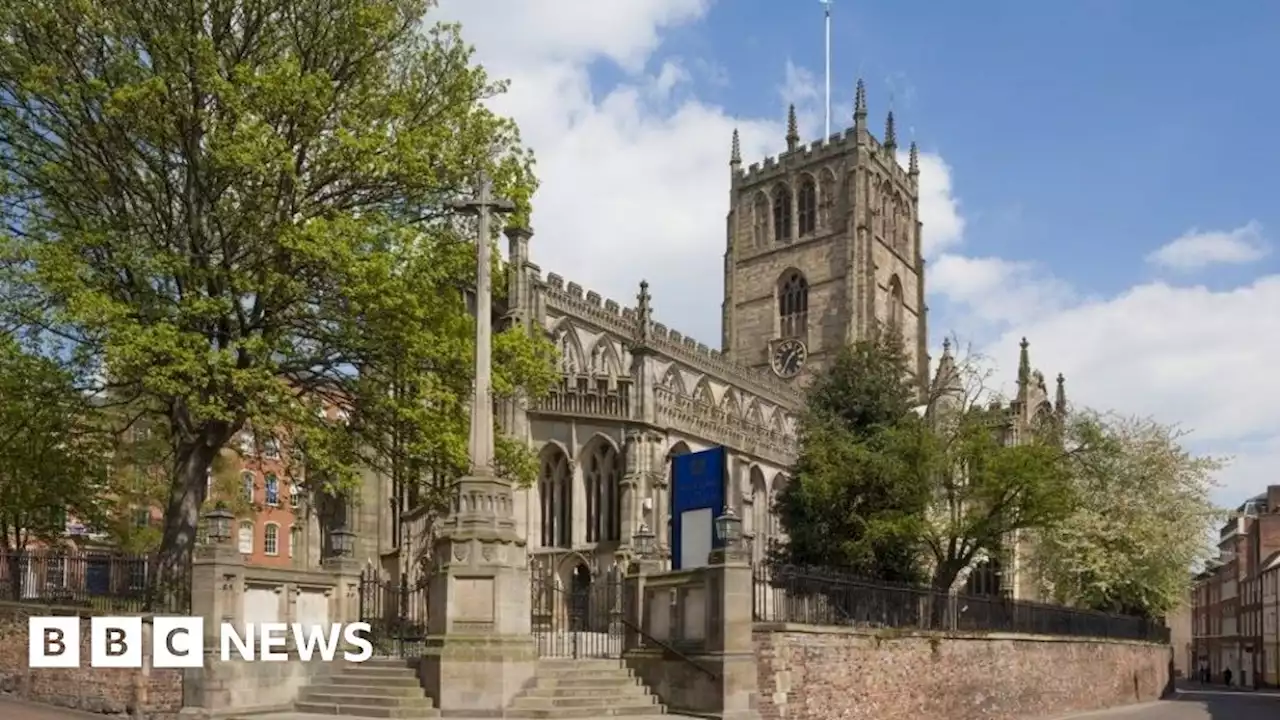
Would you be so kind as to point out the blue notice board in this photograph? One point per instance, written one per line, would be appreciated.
(697, 496)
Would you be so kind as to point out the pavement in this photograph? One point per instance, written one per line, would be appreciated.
(1191, 704)
(1197, 704)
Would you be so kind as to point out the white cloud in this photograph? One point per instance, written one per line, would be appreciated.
(1196, 249)
(939, 206)
(635, 182)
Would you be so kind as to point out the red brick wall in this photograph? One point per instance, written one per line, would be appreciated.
(102, 690)
(892, 676)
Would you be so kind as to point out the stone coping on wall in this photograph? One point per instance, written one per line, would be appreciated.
(887, 633)
(38, 608)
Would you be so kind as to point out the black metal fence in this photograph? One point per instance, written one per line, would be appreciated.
(100, 580)
(396, 611)
(578, 618)
(821, 596)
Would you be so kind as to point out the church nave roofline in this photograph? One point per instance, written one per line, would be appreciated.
(572, 299)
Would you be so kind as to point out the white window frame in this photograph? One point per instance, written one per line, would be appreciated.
(242, 541)
(270, 533)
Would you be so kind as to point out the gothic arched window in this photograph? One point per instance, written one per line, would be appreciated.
(793, 304)
(903, 238)
(894, 315)
(781, 213)
(603, 478)
(887, 214)
(826, 199)
(807, 202)
(555, 494)
(760, 220)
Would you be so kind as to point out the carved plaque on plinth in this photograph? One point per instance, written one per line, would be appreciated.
(473, 598)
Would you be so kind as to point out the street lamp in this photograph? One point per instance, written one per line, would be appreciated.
(643, 540)
(343, 541)
(218, 524)
(729, 527)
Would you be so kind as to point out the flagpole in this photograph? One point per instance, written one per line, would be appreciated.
(826, 7)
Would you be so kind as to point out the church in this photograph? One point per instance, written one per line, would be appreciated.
(823, 246)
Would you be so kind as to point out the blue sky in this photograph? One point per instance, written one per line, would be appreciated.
(1084, 134)
(1096, 174)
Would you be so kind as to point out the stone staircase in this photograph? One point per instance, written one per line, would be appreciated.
(584, 689)
(376, 688)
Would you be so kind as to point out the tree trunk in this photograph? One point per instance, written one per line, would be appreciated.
(171, 582)
(941, 602)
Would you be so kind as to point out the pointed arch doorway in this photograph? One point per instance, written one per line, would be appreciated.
(576, 608)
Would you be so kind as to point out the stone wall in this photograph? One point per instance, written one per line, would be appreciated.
(819, 673)
(102, 690)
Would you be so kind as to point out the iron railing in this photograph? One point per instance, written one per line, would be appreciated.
(396, 611)
(103, 580)
(822, 596)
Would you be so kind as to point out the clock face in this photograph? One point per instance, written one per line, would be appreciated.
(788, 358)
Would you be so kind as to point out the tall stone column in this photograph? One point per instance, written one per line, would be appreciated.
(480, 650)
(632, 480)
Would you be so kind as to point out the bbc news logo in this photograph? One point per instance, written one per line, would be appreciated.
(178, 642)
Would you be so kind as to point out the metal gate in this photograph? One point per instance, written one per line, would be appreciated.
(396, 611)
(575, 612)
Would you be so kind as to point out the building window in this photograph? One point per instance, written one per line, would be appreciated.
(603, 475)
(895, 309)
(781, 214)
(247, 443)
(141, 517)
(246, 485)
(295, 539)
(807, 202)
(246, 538)
(760, 220)
(793, 305)
(295, 495)
(555, 497)
(273, 490)
(271, 539)
(271, 449)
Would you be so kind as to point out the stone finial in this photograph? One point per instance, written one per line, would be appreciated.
(1060, 401)
(644, 312)
(890, 134)
(860, 100)
(735, 156)
(793, 129)
(913, 166)
(1024, 365)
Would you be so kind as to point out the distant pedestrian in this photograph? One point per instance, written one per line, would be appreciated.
(1226, 677)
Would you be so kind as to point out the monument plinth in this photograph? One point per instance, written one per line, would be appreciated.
(480, 650)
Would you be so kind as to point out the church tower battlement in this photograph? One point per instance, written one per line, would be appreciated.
(823, 249)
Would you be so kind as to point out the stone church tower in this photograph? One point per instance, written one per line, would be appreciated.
(823, 249)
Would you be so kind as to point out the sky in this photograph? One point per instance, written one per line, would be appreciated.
(1093, 174)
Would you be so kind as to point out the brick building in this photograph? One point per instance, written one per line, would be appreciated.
(269, 533)
(1270, 642)
(1229, 628)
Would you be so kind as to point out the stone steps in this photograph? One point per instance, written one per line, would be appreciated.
(379, 688)
(593, 688)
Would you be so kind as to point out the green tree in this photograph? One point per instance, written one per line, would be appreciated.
(1143, 518)
(239, 212)
(984, 491)
(53, 457)
(848, 504)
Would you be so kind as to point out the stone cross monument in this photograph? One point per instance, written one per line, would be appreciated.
(480, 650)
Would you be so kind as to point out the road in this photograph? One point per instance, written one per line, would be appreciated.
(1205, 705)
(1201, 705)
